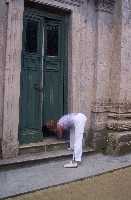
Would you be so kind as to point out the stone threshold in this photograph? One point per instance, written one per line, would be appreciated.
(32, 158)
(47, 145)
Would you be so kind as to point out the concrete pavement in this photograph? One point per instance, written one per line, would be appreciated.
(109, 186)
(40, 176)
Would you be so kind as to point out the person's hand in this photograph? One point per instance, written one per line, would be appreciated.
(60, 131)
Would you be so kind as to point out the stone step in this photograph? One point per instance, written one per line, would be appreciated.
(47, 145)
(33, 158)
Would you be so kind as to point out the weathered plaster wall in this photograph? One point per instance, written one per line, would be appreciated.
(104, 52)
(116, 55)
(120, 89)
(125, 79)
(87, 58)
(3, 26)
(12, 78)
(82, 45)
(74, 65)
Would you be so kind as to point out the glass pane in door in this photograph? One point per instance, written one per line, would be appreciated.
(31, 36)
(52, 40)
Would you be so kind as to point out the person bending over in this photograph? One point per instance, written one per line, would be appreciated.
(75, 123)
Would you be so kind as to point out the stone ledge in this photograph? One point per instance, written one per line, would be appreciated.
(124, 136)
(118, 143)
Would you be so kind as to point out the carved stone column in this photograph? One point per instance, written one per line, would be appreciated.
(104, 47)
(12, 78)
(119, 124)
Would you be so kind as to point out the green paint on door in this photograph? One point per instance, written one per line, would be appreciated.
(43, 74)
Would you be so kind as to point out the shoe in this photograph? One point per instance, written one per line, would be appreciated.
(71, 164)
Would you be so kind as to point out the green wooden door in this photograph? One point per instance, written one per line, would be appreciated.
(42, 75)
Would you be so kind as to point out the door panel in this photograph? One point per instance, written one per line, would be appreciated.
(53, 71)
(31, 83)
(32, 94)
(53, 97)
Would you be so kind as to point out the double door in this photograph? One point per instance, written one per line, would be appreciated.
(43, 73)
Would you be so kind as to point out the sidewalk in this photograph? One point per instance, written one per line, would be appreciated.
(34, 177)
(109, 186)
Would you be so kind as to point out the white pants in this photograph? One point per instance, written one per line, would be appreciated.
(76, 136)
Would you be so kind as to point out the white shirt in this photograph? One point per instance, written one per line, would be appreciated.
(67, 121)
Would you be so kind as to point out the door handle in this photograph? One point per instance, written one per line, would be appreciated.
(38, 87)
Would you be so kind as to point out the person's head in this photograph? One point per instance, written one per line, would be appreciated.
(55, 127)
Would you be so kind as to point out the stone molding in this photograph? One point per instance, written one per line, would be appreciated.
(111, 107)
(105, 5)
(71, 2)
(119, 125)
(68, 2)
(119, 121)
